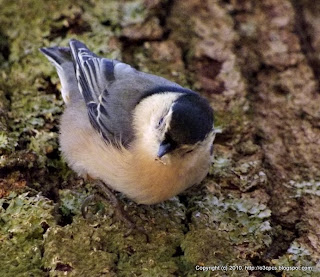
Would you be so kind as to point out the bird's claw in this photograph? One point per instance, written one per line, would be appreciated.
(120, 213)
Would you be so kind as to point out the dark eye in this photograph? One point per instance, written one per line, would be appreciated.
(211, 150)
(189, 151)
(160, 122)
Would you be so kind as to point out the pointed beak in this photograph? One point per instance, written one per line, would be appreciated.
(165, 148)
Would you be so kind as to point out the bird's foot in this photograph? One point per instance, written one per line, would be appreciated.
(119, 211)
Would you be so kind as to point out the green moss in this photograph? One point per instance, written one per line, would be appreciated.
(107, 12)
(73, 249)
(7, 142)
(242, 220)
(43, 143)
(305, 187)
(231, 121)
(133, 12)
(222, 230)
(31, 84)
(36, 104)
(297, 262)
(209, 247)
(23, 221)
(99, 246)
(71, 201)
(220, 166)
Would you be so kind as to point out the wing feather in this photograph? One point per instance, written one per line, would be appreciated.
(111, 90)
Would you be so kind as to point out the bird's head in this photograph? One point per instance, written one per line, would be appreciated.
(174, 125)
(186, 126)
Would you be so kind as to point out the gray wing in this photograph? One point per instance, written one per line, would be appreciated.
(111, 90)
(61, 58)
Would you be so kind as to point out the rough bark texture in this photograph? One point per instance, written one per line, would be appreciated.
(258, 64)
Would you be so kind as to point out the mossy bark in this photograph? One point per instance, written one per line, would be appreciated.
(256, 62)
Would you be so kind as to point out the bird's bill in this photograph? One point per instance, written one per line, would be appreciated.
(165, 148)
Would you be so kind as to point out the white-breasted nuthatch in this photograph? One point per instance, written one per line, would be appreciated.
(141, 134)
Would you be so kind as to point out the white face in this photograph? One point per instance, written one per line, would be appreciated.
(190, 154)
(146, 118)
(185, 151)
(161, 123)
(151, 121)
